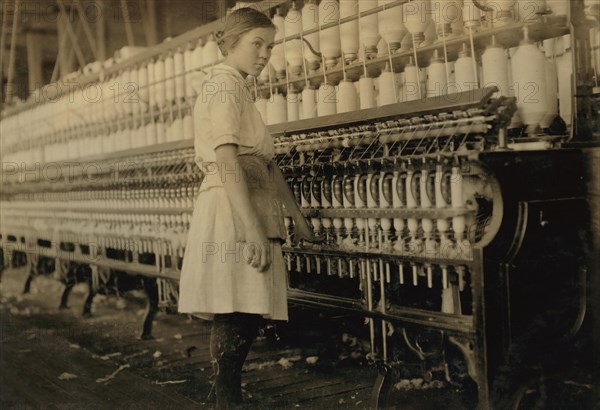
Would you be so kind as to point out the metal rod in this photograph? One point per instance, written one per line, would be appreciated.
(474, 60)
(74, 40)
(128, 29)
(34, 61)
(370, 308)
(87, 29)
(11, 56)
(144, 12)
(101, 31)
(2, 38)
(382, 303)
(151, 12)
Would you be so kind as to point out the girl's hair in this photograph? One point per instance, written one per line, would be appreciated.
(239, 22)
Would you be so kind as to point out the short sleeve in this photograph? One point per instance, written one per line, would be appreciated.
(223, 95)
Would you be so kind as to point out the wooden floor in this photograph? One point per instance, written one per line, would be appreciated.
(55, 359)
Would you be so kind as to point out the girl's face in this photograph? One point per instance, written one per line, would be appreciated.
(252, 52)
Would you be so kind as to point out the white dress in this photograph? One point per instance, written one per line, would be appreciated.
(215, 277)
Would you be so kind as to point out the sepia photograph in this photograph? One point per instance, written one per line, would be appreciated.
(318, 204)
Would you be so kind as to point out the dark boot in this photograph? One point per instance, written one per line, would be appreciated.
(231, 338)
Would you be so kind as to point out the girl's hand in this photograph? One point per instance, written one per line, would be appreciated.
(257, 249)
(303, 231)
(301, 228)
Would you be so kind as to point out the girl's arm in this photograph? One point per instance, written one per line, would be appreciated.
(301, 228)
(233, 179)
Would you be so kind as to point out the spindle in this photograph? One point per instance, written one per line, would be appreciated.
(278, 53)
(495, 68)
(210, 52)
(349, 38)
(391, 25)
(329, 38)
(529, 76)
(293, 48)
(368, 28)
(310, 20)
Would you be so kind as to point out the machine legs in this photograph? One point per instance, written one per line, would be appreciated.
(151, 289)
(386, 378)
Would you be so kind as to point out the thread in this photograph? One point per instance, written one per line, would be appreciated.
(391, 63)
(310, 20)
(465, 74)
(347, 97)
(529, 76)
(160, 132)
(261, 106)
(436, 77)
(159, 83)
(169, 79)
(276, 109)
(309, 103)
(150, 131)
(326, 100)
(446, 57)
(210, 52)
(278, 53)
(391, 25)
(369, 28)
(417, 71)
(495, 68)
(329, 38)
(187, 64)
(293, 48)
(349, 37)
(179, 66)
(293, 104)
(366, 93)
(473, 62)
(412, 84)
(188, 127)
(387, 85)
(177, 132)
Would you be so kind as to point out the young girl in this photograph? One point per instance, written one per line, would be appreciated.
(233, 270)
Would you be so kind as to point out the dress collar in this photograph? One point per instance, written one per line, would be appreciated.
(246, 82)
(231, 70)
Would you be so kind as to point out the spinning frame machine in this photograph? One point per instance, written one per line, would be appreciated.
(444, 223)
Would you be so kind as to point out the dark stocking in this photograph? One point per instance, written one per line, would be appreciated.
(230, 341)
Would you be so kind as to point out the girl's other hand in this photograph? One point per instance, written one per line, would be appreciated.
(303, 231)
(258, 249)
